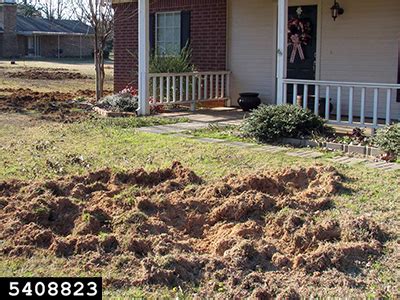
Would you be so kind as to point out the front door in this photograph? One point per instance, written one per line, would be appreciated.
(302, 45)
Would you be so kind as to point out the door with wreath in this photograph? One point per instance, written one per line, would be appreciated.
(302, 46)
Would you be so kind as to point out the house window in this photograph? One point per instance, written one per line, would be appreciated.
(168, 33)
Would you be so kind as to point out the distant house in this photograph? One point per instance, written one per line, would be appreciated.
(22, 36)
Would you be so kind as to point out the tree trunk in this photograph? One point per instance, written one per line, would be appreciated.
(99, 65)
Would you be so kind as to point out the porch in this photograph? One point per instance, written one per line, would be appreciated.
(369, 99)
(54, 45)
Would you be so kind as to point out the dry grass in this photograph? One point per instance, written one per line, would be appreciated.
(85, 67)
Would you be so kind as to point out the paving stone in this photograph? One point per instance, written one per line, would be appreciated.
(189, 126)
(384, 166)
(305, 154)
(393, 167)
(210, 140)
(156, 129)
(341, 159)
(270, 149)
(240, 144)
(349, 160)
(378, 164)
(173, 128)
(185, 135)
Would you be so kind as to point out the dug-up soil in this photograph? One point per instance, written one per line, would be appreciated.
(43, 74)
(263, 235)
(52, 106)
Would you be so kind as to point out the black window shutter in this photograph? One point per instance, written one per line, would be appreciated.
(185, 28)
(152, 33)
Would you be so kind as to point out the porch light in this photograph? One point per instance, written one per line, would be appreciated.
(336, 10)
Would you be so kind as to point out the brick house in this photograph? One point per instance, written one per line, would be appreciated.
(339, 59)
(22, 36)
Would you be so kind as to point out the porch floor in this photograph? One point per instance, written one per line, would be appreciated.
(221, 115)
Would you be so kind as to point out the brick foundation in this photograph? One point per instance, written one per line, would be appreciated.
(208, 36)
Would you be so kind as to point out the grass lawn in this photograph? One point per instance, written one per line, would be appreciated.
(40, 150)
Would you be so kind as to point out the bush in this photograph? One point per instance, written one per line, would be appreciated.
(268, 123)
(121, 102)
(172, 63)
(388, 139)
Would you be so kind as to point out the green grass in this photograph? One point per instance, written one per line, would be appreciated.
(47, 150)
(230, 133)
(42, 150)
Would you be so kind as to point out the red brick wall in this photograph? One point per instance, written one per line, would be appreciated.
(208, 36)
(9, 43)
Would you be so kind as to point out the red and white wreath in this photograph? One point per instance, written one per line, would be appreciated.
(299, 35)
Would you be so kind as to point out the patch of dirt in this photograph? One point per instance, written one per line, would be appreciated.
(260, 236)
(46, 74)
(53, 106)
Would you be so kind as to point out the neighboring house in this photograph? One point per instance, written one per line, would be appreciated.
(289, 51)
(22, 36)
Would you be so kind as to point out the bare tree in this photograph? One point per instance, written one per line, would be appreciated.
(53, 9)
(99, 15)
(28, 8)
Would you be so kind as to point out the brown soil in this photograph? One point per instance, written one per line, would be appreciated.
(263, 235)
(53, 106)
(43, 74)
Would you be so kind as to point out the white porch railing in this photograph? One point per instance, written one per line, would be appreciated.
(345, 103)
(189, 88)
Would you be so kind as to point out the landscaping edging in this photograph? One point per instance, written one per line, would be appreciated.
(346, 148)
(113, 114)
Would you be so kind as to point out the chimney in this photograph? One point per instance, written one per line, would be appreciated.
(8, 21)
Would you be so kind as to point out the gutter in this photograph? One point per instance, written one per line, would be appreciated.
(30, 33)
(122, 1)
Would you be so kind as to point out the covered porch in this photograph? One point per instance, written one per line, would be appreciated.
(53, 44)
(352, 83)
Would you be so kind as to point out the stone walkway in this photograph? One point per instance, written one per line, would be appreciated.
(174, 128)
(220, 115)
(181, 129)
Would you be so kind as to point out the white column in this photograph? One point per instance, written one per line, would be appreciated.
(143, 57)
(281, 51)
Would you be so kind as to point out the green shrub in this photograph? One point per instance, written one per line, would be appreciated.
(388, 139)
(268, 123)
(122, 102)
(172, 63)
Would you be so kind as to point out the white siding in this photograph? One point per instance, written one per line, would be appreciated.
(362, 45)
(251, 48)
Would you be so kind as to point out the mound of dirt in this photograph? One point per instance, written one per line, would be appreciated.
(46, 74)
(263, 235)
(53, 106)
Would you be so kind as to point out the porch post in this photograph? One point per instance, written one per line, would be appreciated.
(281, 51)
(143, 61)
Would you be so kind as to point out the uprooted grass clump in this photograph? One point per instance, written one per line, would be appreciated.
(261, 235)
(46, 74)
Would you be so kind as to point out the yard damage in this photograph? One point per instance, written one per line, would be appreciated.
(261, 235)
(52, 106)
(46, 74)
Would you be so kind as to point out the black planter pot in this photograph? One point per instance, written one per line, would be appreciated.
(249, 101)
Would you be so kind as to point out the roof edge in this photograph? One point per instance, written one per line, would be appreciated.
(123, 1)
(28, 33)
